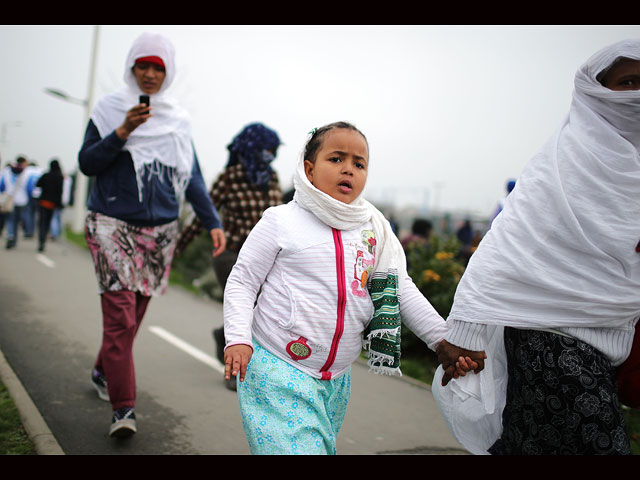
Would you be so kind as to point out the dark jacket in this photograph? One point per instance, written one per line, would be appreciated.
(115, 192)
(51, 187)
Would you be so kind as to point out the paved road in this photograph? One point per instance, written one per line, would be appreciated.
(50, 332)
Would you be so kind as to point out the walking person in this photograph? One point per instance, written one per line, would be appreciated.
(551, 293)
(331, 275)
(18, 181)
(246, 187)
(144, 164)
(50, 200)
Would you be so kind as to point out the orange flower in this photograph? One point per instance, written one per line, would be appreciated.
(430, 275)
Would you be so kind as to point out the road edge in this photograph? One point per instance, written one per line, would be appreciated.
(37, 429)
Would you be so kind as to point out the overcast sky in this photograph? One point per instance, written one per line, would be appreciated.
(450, 112)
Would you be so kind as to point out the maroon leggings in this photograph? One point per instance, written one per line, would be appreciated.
(122, 314)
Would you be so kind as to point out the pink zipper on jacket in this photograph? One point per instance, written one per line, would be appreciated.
(342, 300)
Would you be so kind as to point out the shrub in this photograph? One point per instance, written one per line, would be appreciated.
(435, 270)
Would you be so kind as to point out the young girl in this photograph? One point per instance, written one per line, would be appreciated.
(329, 272)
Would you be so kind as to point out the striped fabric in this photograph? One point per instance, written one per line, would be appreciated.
(289, 259)
(384, 329)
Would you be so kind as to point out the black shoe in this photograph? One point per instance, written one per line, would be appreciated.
(123, 423)
(99, 382)
(10, 244)
(218, 336)
(231, 384)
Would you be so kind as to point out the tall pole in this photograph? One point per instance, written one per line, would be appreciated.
(80, 194)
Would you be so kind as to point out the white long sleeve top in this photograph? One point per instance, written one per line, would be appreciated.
(290, 263)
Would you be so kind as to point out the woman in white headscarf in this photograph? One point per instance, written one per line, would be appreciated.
(552, 293)
(144, 165)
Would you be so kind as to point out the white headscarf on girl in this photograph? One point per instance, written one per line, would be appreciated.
(563, 251)
(383, 342)
(163, 141)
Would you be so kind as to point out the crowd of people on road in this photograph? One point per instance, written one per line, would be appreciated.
(32, 201)
(537, 355)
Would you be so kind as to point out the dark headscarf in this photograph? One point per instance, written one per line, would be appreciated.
(255, 147)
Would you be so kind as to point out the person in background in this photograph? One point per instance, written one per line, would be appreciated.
(50, 200)
(2, 213)
(56, 220)
(144, 164)
(419, 236)
(510, 185)
(246, 187)
(17, 179)
(465, 235)
(31, 210)
(551, 293)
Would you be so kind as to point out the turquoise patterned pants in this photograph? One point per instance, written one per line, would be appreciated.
(287, 412)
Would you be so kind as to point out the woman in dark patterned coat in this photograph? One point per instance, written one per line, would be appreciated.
(242, 192)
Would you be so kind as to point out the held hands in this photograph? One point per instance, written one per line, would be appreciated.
(236, 359)
(457, 361)
(219, 241)
(134, 118)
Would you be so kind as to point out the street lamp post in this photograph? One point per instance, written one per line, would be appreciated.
(80, 193)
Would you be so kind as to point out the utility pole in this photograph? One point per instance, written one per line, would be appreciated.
(80, 194)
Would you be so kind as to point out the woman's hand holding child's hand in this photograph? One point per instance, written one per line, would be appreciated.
(457, 361)
(236, 359)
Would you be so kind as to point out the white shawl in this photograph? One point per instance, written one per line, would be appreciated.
(562, 252)
(347, 216)
(390, 261)
(164, 141)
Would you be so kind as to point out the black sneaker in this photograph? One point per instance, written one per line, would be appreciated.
(218, 336)
(99, 382)
(123, 423)
(231, 383)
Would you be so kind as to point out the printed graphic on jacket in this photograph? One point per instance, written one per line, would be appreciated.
(363, 268)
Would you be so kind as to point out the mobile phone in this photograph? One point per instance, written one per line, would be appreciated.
(144, 99)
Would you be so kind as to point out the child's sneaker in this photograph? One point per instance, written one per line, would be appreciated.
(99, 382)
(123, 423)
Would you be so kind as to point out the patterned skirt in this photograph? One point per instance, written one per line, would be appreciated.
(128, 257)
(561, 398)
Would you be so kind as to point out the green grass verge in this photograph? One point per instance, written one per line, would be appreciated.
(13, 437)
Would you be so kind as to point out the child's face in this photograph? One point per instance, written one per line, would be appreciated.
(341, 165)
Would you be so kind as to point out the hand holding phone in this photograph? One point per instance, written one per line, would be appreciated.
(145, 99)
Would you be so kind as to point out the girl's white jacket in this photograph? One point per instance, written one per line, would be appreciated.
(312, 299)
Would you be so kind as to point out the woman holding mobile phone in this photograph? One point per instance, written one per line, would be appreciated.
(144, 164)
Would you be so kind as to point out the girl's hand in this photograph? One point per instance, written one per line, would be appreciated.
(219, 241)
(456, 361)
(134, 118)
(236, 359)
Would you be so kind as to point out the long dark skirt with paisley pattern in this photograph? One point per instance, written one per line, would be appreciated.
(561, 398)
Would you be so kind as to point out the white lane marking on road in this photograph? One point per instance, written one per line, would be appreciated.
(45, 260)
(188, 348)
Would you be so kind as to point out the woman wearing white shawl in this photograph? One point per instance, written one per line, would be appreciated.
(557, 277)
(144, 165)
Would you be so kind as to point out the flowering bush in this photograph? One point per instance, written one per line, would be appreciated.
(436, 271)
